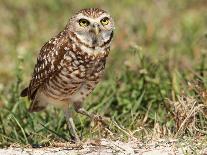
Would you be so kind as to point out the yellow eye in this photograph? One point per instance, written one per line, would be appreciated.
(83, 22)
(105, 21)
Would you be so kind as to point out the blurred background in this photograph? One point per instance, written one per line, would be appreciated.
(158, 56)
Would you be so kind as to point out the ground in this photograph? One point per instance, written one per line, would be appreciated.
(109, 147)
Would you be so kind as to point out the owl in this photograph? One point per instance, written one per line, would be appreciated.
(71, 64)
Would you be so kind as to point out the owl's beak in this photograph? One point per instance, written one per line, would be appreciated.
(96, 28)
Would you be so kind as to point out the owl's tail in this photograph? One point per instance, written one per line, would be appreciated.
(36, 103)
(24, 92)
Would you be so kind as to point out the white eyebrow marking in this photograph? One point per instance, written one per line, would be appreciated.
(92, 19)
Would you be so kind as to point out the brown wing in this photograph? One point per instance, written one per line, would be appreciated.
(47, 64)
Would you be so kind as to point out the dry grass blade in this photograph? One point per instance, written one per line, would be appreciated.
(186, 114)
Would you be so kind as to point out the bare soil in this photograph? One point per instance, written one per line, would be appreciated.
(109, 147)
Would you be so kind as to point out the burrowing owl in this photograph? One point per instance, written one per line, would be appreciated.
(71, 64)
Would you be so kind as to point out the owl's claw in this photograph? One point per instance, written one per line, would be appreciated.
(101, 119)
(94, 117)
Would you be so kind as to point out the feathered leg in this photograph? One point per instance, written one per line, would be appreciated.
(71, 124)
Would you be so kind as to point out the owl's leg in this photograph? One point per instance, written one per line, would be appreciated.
(81, 110)
(71, 124)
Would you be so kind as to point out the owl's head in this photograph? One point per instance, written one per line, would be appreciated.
(93, 27)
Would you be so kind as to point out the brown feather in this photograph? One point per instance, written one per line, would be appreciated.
(43, 70)
(24, 92)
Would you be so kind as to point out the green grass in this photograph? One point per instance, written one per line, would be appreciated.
(155, 73)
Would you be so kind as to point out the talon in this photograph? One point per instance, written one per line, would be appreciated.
(97, 118)
(100, 119)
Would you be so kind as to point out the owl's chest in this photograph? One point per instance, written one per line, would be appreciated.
(81, 78)
(94, 69)
(83, 68)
